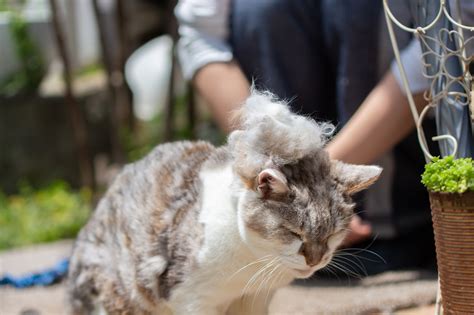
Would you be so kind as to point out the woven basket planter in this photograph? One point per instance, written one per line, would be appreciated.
(453, 223)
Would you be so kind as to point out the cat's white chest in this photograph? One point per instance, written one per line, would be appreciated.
(227, 270)
(218, 214)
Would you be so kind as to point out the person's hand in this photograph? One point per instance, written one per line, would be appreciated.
(359, 231)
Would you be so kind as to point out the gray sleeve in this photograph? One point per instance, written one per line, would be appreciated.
(413, 65)
(204, 31)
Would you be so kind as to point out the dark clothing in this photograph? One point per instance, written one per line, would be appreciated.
(325, 56)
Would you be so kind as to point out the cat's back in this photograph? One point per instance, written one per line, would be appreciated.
(148, 192)
(147, 201)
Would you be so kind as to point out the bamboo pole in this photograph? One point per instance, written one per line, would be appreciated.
(108, 62)
(171, 28)
(76, 116)
(123, 54)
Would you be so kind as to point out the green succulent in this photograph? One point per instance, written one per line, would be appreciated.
(449, 175)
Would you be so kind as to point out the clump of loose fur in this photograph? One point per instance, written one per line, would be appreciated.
(270, 131)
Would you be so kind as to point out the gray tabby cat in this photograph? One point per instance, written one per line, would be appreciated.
(194, 229)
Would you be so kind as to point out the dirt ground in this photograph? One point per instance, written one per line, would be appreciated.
(408, 292)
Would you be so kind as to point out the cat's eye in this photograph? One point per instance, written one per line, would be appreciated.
(293, 233)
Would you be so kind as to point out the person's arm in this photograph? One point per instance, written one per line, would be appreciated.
(206, 57)
(224, 88)
(383, 119)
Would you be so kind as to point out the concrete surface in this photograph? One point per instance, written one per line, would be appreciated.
(381, 294)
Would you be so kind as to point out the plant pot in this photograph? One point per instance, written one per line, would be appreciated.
(453, 223)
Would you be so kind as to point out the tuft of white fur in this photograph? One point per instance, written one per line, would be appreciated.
(271, 134)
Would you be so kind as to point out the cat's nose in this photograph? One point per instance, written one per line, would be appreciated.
(313, 254)
(312, 261)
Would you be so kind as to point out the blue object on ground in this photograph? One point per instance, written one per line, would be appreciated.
(42, 278)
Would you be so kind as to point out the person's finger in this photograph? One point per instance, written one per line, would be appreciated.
(360, 227)
(359, 231)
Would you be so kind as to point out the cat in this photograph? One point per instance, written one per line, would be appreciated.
(195, 229)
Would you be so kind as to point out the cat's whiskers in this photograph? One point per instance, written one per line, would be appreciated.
(253, 277)
(337, 268)
(269, 288)
(251, 282)
(359, 258)
(265, 280)
(264, 273)
(345, 256)
(329, 269)
(260, 260)
(270, 285)
(354, 251)
(360, 250)
(347, 262)
(341, 267)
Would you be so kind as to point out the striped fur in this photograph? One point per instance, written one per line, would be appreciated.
(194, 229)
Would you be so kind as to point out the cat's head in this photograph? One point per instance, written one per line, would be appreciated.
(295, 203)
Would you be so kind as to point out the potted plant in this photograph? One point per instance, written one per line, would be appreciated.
(450, 183)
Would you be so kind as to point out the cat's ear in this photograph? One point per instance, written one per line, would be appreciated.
(355, 177)
(271, 184)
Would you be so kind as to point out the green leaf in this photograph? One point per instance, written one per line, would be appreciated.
(449, 175)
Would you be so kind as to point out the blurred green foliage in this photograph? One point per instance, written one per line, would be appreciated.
(88, 70)
(150, 133)
(32, 69)
(11, 5)
(138, 144)
(449, 175)
(47, 214)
